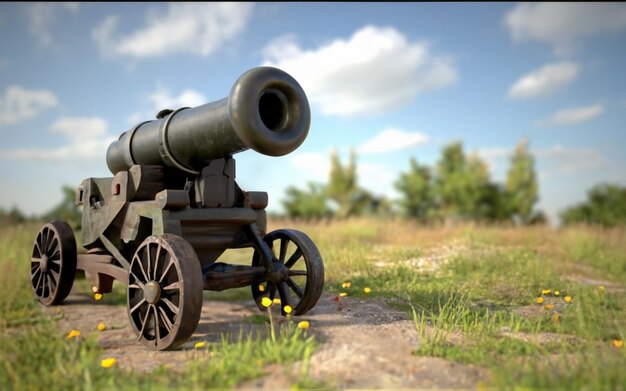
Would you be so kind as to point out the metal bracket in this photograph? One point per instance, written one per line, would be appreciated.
(114, 251)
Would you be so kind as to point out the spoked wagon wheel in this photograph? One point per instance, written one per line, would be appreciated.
(301, 286)
(53, 262)
(164, 292)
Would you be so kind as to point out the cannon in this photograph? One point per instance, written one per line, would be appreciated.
(172, 207)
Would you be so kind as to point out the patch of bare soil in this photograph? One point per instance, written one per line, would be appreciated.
(365, 344)
(586, 275)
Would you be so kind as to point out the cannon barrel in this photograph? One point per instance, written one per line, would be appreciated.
(266, 110)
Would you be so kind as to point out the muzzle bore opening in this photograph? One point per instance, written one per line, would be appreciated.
(274, 109)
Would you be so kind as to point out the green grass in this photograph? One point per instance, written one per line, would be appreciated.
(471, 291)
(479, 307)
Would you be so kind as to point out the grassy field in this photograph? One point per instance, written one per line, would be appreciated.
(536, 307)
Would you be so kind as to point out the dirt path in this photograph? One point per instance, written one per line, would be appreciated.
(366, 343)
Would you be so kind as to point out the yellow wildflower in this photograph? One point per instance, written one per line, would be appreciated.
(346, 285)
(97, 296)
(568, 299)
(539, 300)
(94, 289)
(601, 288)
(266, 302)
(343, 294)
(557, 293)
(277, 301)
(261, 288)
(618, 343)
(304, 325)
(108, 362)
(556, 318)
(73, 334)
(199, 345)
(549, 306)
(367, 290)
(287, 309)
(102, 326)
(546, 291)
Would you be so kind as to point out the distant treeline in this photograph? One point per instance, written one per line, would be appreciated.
(67, 211)
(458, 188)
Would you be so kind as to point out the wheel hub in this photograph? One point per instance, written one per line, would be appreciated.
(277, 273)
(44, 263)
(152, 292)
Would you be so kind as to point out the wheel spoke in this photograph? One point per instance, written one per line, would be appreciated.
(166, 321)
(297, 273)
(134, 286)
(149, 257)
(53, 244)
(157, 329)
(55, 267)
(52, 282)
(283, 249)
(137, 280)
(143, 324)
(38, 245)
(170, 305)
(38, 284)
(143, 271)
(156, 262)
(136, 307)
(285, 299)
(293, 259)
(46, 285)
(167, 269)
(46, 241)
(172, 286)
(295, 287)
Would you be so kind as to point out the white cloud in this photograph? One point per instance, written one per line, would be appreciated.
(374, 70)
(390, 140)
(192, 28)
(565, 160)
(42, 17)
(573, 116)
(561, 24)
(162, 98)
(315, 165)
(18, 104)
(87, 140)
(545, 80)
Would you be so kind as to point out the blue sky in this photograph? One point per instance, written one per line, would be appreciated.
(391, 81)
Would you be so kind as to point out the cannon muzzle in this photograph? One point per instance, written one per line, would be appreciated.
(266, 111)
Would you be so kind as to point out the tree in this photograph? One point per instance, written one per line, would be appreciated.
(417, 191)
(309, 204)
(66, 210)
(461, 184)
(342, 186)
(606, 206)
(521, 184)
